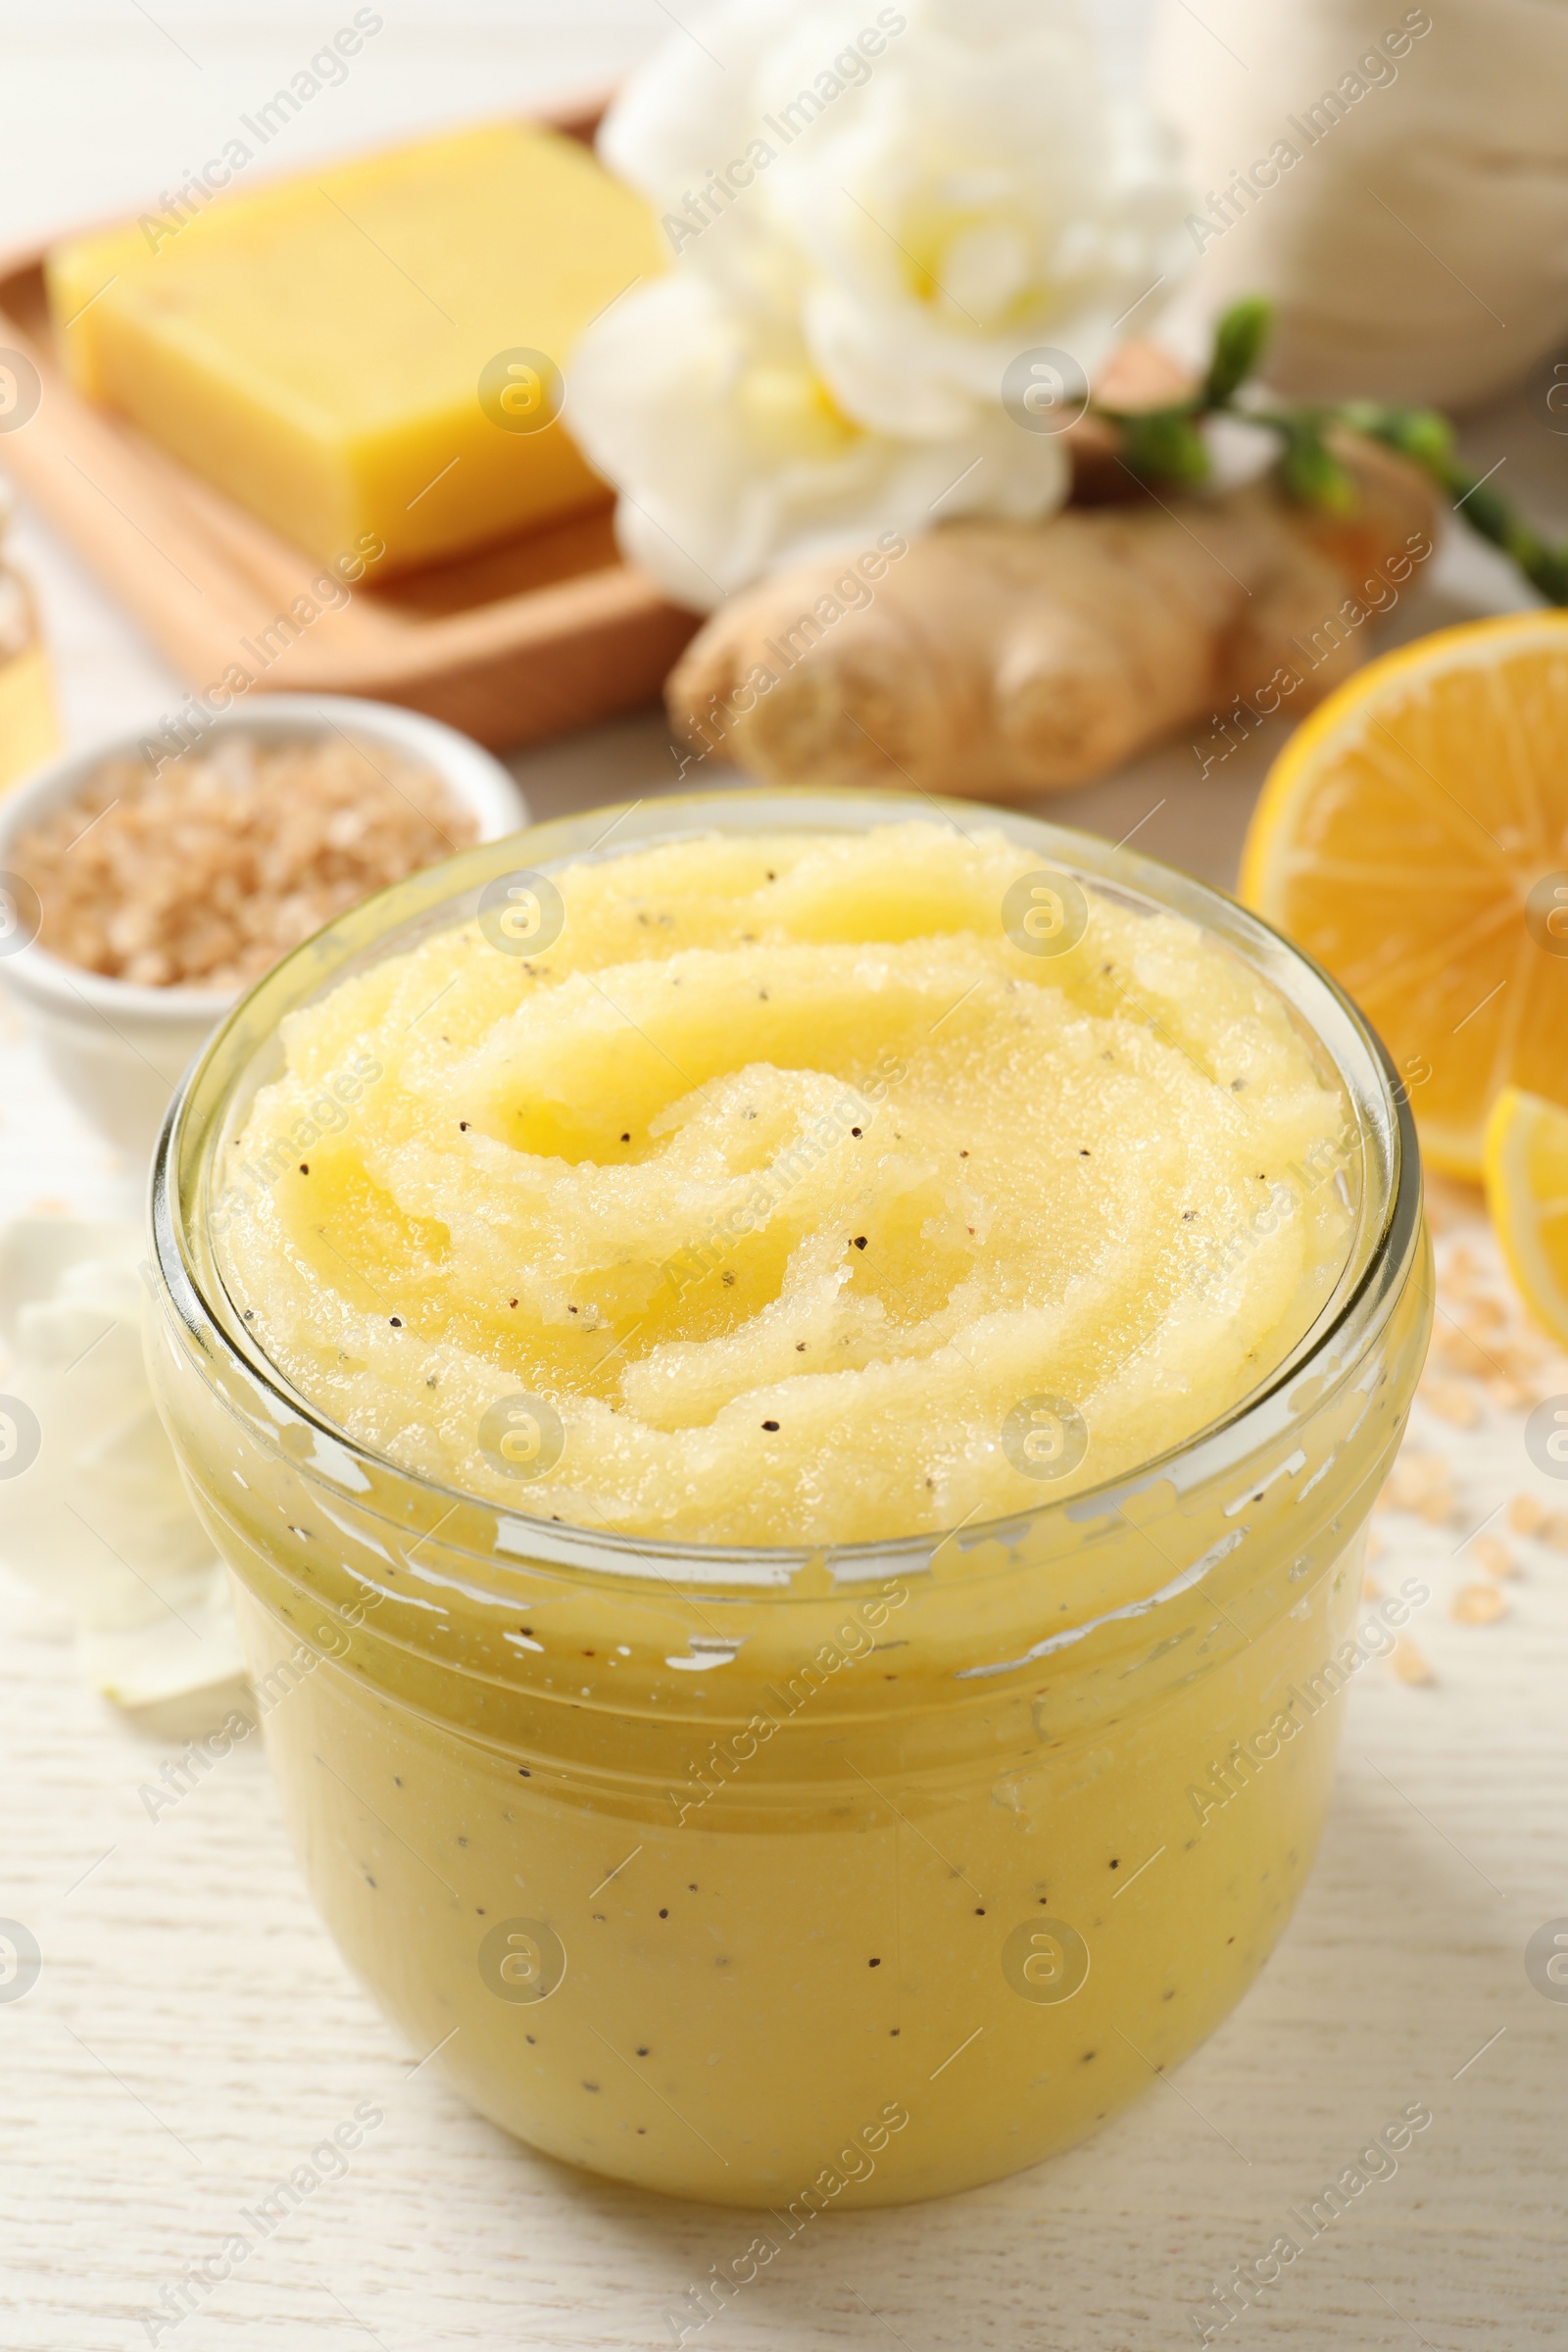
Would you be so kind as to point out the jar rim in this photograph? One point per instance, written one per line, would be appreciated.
(1372, 1276)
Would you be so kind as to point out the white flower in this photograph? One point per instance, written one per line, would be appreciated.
(875, 211)
(93, 1511)
(733, 457)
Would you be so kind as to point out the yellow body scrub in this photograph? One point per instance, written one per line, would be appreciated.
(779, 1176)
(792, 1390)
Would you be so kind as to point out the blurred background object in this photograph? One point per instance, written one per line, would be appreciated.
(1396, 178)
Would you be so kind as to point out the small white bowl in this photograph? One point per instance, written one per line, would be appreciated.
(119, 1051)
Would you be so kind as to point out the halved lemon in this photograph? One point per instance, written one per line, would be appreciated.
(1527, 1193)
(1413, 837)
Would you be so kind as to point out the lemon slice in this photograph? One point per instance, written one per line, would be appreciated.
(1413, 837)
(1527, 1193)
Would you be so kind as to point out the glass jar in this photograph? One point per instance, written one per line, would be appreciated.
(798, 1877)
(30, 732)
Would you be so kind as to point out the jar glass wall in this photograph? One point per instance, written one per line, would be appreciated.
(792, 1876)
(30, 731)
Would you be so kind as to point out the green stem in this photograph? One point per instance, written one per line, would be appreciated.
(1166, 445)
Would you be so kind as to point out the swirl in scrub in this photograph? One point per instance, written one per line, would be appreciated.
(779, 1172)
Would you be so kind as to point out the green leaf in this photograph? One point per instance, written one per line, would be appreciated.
(1240, 341)
(1164, 445)
(1421, 434)
(1312, 473)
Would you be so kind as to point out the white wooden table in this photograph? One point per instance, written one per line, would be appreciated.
(193, 2035)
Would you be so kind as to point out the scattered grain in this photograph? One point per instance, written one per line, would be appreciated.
(1493, 1554)
(1420, 1483)
(1451, 1401)
(1478, 1604)
(1461, 1353)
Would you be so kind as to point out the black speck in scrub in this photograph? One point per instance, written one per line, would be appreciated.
(663, 1915)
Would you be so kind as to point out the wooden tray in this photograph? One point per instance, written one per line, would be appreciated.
(524, 639)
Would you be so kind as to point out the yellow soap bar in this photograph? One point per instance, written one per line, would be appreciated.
(372, 352)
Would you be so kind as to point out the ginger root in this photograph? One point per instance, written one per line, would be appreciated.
(1006, 660)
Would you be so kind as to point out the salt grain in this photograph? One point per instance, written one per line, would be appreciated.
(206, 874)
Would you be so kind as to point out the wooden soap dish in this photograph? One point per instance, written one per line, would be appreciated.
(522, 640)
